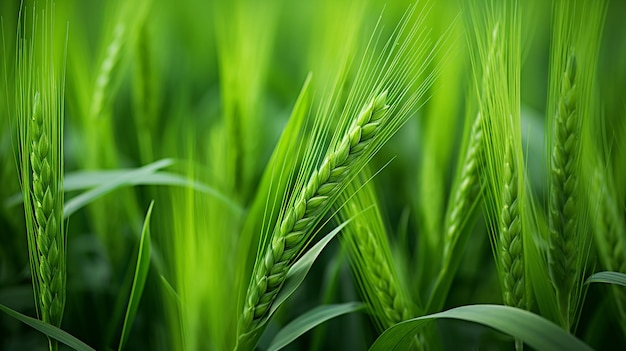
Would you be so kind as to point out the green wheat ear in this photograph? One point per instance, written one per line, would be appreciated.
(366, 122)
(577, 34)
(503, 166)
(39, 105)
(563, 187)
(367, 243)
(48, 235)
(297, 224)
(511, 241)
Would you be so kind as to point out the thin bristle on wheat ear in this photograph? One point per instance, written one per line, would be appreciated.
(563, 188)
(292, 232)
(48, 237)
(511, 243)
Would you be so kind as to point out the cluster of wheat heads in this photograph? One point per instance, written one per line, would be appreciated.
(39, 109)
(509, 207)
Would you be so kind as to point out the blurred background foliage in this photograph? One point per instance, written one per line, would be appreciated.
(186, 76)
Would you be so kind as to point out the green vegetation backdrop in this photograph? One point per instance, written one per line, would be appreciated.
(312, 175)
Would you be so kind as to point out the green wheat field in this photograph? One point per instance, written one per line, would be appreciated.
(312, 175)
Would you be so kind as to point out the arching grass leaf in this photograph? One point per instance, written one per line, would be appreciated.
(310, 320)
(139, 282)
(49, 330)
(608, 278)
(536, 331)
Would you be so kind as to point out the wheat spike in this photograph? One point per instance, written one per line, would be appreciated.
(39, 110)
(366, 242)
(468, 188)
(388, 303)
(563, 187)
(511, 243)
(106, 69)
(292, 232)
(394, 304)
(48, 235)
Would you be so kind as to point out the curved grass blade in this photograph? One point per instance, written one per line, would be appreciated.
(90, 179)
(533, 330)
(301, 268)
(145, 175)
(139, 282)
(608, 278)
(295, 277)
(49, 330)
(83, 199)
(310, 320)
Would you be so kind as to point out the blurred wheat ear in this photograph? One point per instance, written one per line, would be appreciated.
(503, 167)
(609, 234)
(39, 105)
(577, 29)
(368, 247)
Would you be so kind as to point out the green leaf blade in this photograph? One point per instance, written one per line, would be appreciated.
(310, 320)
(536, 331)
(49, 330)
(139, 281)
(615, 278)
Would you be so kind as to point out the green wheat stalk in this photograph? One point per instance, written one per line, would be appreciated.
(367, 244)
(563, 187)
(293, 231)
(39, 102)
(503, 167)
(468, 186)
(466, 191)
(574, 61)
(366, 241)
(511, 242)
(49, 236)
